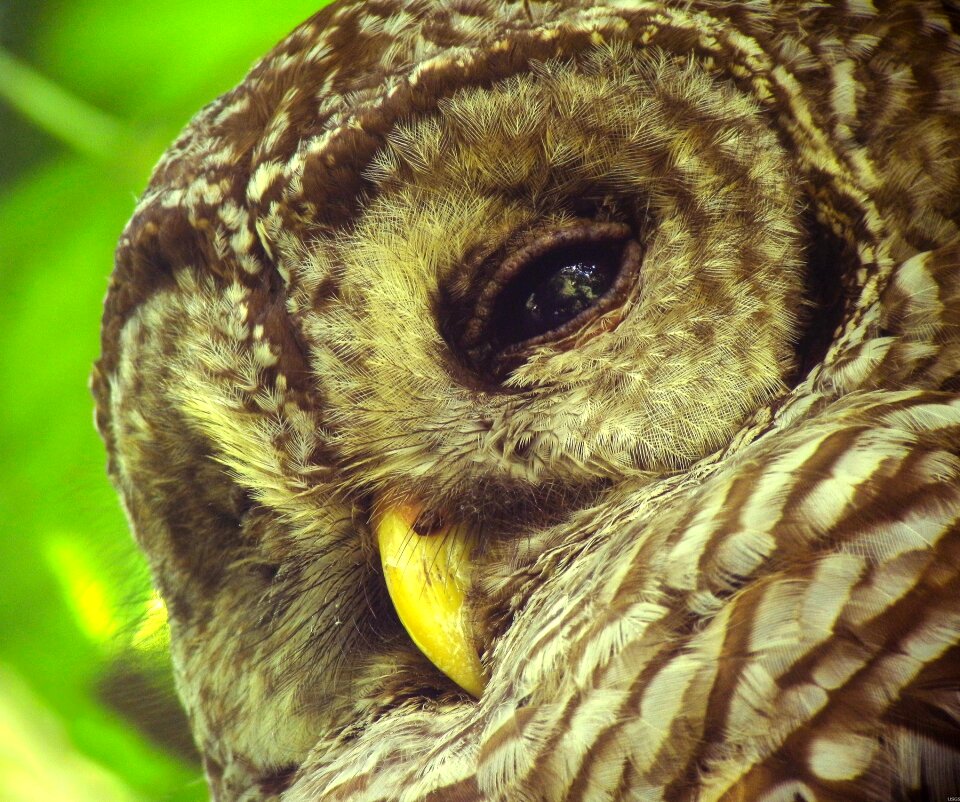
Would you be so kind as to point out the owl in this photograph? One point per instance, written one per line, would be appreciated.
(537, 401)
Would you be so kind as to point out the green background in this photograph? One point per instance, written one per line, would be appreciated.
(90, 93)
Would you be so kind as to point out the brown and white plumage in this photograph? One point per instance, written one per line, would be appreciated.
(720, 552)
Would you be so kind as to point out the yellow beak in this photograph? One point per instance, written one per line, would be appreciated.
(428, 577)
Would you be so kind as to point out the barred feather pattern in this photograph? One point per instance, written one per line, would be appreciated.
(720, 552)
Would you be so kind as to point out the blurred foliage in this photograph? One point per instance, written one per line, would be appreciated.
(91, 91)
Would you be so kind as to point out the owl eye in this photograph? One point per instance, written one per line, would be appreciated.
(550, 289)
(555, 290)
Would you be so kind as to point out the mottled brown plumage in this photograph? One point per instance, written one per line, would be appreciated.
(719, 511)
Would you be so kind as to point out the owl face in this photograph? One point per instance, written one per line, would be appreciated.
(552, 287)
(424, 373)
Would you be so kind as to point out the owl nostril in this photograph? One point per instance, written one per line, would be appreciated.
(428, 522)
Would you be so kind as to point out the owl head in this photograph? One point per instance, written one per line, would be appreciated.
(521, 274)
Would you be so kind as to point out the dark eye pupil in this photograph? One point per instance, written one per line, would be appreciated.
(563, 295)
(545, 290)
(556, 288)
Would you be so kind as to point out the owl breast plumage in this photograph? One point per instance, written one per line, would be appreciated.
(652, 309)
